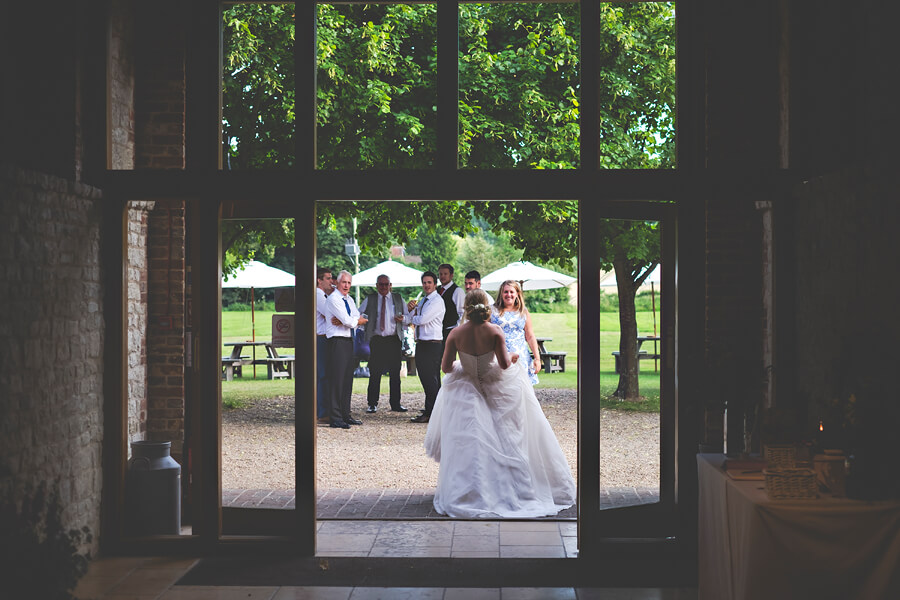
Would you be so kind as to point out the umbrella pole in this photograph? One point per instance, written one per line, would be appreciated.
(653, 309)
(253, 328)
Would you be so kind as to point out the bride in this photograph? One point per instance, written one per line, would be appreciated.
(498, 455)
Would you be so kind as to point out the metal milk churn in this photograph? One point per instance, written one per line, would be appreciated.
(152, 490)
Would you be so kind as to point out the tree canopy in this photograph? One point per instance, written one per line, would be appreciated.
(519, 93)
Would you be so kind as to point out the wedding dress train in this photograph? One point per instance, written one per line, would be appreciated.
(497, 452)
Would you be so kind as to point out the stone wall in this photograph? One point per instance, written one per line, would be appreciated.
(121, 85)
(136, 270)
(51, 372)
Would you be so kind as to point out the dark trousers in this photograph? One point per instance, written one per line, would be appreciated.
(384, 357)
(428, 366)
(340, 376)
(323, 400)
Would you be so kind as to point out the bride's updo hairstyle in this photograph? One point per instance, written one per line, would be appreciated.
(478, 306)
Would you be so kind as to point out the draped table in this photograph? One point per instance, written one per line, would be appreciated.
(751, 547)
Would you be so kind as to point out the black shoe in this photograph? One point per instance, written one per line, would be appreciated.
(339, 425)
(371, 409)
(420, 419)
(353, 421)
(422, 410)
(400, 409)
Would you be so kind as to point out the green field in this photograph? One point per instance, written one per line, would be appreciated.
(561, 327)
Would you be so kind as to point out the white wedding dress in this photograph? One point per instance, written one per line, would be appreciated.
(498, 456)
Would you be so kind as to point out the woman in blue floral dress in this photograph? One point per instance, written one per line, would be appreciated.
(510, 314)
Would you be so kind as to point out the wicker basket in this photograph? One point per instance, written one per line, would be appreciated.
(781, 456)
(790, 483)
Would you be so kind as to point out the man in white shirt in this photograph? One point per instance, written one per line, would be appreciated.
(454, 299)
(324, 287)
(428, 317)
(472, 281)
(388, 316)
(341, 317)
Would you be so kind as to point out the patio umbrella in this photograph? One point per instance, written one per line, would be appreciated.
(529, 276)
(258, 275)
(400, 274)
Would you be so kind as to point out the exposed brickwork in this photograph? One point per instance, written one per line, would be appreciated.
(160, 86)
(165, 337)
(846, 252)
(51, 374)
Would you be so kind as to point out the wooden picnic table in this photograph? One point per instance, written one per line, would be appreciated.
(642, 354)
(277, 366)
(552, 362)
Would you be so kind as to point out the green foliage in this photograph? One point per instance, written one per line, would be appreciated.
(38, 557)
(518, 86)
(258, 86)
(376, 94)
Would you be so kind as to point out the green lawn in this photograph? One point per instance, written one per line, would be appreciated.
(561, 327)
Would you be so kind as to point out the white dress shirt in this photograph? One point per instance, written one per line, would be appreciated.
(390, 326)
(321, 298)
(336, 308)
(429, 318)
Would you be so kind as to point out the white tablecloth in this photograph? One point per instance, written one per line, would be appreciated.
(754, 548)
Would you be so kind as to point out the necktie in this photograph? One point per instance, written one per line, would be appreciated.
(381, 316)
(347, 304)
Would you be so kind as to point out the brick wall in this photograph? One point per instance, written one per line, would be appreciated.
(845, 270)
(159, 86)
(165, 336)
(51, 400)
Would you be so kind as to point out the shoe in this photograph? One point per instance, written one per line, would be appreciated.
(339, 425)
(422, 411)
(400, 409)
(353, 421)
(371, 409)
(420, 419)
(323, 420)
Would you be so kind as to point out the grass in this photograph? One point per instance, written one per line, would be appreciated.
(561, 327)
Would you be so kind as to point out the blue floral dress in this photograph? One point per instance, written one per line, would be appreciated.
(513, 326)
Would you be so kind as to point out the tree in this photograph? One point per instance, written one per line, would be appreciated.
(518, 103)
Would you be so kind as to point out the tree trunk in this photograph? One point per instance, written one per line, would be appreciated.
(629, 387)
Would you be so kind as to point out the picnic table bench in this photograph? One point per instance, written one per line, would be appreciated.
(642, 354)
(277, 366)
(552, 362)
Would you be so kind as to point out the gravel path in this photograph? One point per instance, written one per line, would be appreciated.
(386, 450)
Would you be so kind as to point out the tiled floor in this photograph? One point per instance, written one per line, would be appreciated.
(154, 578)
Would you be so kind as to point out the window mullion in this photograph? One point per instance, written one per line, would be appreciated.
(588, 117)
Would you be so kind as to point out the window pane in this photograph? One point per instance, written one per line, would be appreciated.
(519, 86)
(630, 389)
(637, 85)
(258, 86)
(376, 96)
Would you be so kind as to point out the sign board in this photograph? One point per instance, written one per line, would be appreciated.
(283, 331)
(284, 300)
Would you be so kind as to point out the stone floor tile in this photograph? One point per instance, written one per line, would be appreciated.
(530, 538)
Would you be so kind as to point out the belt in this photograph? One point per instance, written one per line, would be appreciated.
(320, 335)
(429, 341)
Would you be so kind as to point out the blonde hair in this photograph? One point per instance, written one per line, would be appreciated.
(478, 306)
(519, 305)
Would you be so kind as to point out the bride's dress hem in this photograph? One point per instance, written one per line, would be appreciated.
(498, 455)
